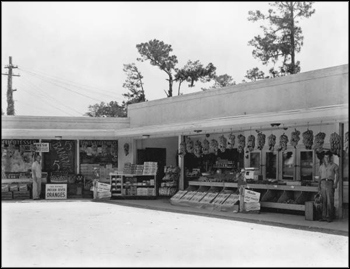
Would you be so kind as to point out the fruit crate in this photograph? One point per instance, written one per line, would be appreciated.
(6, 195)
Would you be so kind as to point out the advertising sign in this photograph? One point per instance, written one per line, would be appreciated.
(56, 191)
(41, 147)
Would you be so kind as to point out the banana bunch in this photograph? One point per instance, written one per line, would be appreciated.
(251, 142)
(283, 142)
(346, 143)
(231, 140)
(214, 146)
(182, 151)
(205, 147)
(198, 149)
(308, 138)
(261, 140)
(319, 141)
(241, 143)
(189, 145)
(272, 141)
(295, 138)
(335, 141)
(222, 143)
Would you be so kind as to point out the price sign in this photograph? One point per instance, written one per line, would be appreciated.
(41, 147)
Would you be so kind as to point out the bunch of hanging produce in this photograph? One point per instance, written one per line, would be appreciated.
(205, 147)
(251, 142)
(346, 143)
(241, 143)
(319, 141)
(308, 138)
(214, 146)
(222, 143)
(283, 142)
(231, 140)
(295, 138)
(189, 145)
(198, 149)
(182, 151)
(335, 141)
(261, 140)
(271, 141)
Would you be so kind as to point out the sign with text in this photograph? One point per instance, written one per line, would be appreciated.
(56, 191)
(41, 147)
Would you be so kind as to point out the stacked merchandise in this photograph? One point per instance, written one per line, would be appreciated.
(139, 169)
(5, 193)
(87, 170)
(130, 186)
(150, 168)
(102, 190)
(170, 181)
(21, 192)
(127, 169)
(104, 173)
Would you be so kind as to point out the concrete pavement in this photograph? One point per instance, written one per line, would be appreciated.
(338, 226)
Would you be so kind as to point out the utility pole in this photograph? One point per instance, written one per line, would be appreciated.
(10, 102)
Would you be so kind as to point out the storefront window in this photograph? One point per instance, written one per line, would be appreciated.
(99, 152)
(255, 161)
(16, 155)
(306, 165)
(288, 165)
(271, 165)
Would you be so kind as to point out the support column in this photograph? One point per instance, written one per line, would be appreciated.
(181, 165)
(340, 183)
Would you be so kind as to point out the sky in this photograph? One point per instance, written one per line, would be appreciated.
(71, 54)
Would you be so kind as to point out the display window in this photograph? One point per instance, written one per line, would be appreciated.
(98, 152)
(17, 156)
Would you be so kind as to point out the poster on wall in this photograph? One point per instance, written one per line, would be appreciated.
(61, 156)
(99, 151)
(17, 155)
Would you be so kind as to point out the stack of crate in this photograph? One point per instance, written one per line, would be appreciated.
(20, 191)
(87, 170)
(5, 192)
(150, 168)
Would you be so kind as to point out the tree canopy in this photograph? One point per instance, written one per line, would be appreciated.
(111, 109)
(134, 84)
(158, 53)
(283, 38)
(221, 82)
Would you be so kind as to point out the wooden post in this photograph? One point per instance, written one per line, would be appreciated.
(340, 182)
(182, 166)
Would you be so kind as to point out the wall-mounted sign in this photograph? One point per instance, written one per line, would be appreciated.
(56, 191)
(42, 147)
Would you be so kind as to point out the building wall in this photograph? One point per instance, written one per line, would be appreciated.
(325, 87)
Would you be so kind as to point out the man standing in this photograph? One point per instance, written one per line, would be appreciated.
(329, 176)
(36, 175)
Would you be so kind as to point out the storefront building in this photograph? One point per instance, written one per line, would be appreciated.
(281, 109)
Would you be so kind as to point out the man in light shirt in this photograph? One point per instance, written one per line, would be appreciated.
(329, 177)
(36, 175)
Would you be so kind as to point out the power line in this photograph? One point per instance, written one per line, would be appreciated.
(41, 97)
(48, 80)
(70, 83)
(54, 99)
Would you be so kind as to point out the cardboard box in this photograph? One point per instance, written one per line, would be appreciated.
(251, 196)
(251, 206)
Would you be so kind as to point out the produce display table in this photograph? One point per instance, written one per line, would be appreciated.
(288, 197)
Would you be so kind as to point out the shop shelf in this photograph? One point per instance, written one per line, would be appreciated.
(271, 196)
(286, 197)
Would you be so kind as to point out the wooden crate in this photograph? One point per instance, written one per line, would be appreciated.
(6, 195)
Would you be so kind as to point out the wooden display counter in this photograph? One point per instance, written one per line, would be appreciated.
(272, 196)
